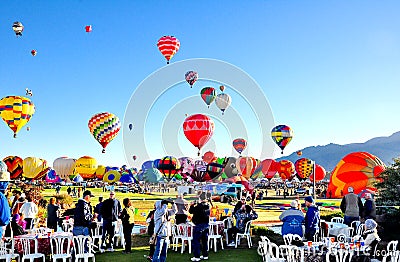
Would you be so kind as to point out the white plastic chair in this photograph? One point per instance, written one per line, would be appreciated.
(83, 248)
(246, 235)
(394, 256)
(119, 234)
(337, 220)
(7, 249)
(67, 226)
(213, 236)
(184, 232)
(341, 255)
(288, 238)
(360, 229)
(392, 251)
(28, 252)
(96, 234)
(273, 253)
(292, 253)
(41, 231)
(58, 250)
(228, 223)
(355, 225)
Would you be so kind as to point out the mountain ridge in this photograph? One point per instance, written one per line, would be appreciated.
(386, 148)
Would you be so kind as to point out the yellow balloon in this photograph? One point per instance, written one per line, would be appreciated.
(16, 111)
(100, 171)
(86, 167)
(112, 176)
(34, 167)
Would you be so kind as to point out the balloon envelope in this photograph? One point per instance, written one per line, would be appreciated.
(304, 167)
(319, 173)
(223, 101)
(169, 167)
(246, 166)
(191, 77)
(14, 166)
(34, 168)
(86, 166)
(104, 127)
(168, 46)
(198, 129)
(282, 135)
(64, 167)
(152, 175)
(112, 176)
(16, 111)
(239, 144)
(208, 95)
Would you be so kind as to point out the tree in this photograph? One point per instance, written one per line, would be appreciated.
(389, 193)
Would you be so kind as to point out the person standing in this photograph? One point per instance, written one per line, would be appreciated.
(29, 211)
(128, 221)
(292, 220)
(110, 211)
(201, 218)
(17, 204)
(162, 229)
(311, 219)
(351, 206)
(97, 209)
(183, 206)
(369, 207)
(52, 214)
(150, 231)
(5, 213)
(83, 215)
(69, 190)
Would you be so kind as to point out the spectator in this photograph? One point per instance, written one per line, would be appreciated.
(128, 221)
(162, 229)
(182, 205)
(52, 214)
(351, 206)
(83, 215)
(311, 219)
(150, 231)
(370, 234)
(201, 217)
(292, 220)
(20, 221)
(29, 211)
(242, 215)
(369, 208)
(97, 209)
(19, 201)
(4, 207)
(239, 204)
(14, 229)
(253, 197)
(69, 190)
(110, 211)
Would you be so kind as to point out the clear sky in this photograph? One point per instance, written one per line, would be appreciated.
(329, 69)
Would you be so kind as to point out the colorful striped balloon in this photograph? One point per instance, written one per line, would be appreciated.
(208, 95)
(168, 46)
(282, 135)
(239, 144)
(304, 168)
(14, 166)
(169, 166)
(191, 77)
(104, 127)
(16, 111)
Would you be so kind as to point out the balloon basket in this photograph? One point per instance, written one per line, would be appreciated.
(15, 135)
(103, 151)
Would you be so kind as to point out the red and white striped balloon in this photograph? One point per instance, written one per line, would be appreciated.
(168, 46)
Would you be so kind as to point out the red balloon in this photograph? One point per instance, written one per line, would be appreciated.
(319, 173)
(168, 46)
(198, 129)
(209, 157)
(269, 168)
(88, 28)
(286, 169)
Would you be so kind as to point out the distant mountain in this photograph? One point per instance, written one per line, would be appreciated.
(328, 156)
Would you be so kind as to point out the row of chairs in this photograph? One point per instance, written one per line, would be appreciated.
(60, 246)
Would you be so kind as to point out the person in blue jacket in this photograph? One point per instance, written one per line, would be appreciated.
(292, 220)
(312, 219)
(5, 212)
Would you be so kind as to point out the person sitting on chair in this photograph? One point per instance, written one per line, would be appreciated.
(242, 215)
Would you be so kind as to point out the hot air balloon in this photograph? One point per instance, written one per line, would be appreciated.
(319, 173)
(156, 162)
(200, 171)
(286, 169)
(152, 175)
(191, 77)
(208, 95)
(86, 166)
(246, 166)
(223, 101)
(134, 158)
(168, 46)
(28, 92)
(282, 135)
(34, 168)
(299, 153)
(214, 169)
(187, 165)
(304, 168)
(359, 170)
(222, 88)
(104, 127)
(269, 168)
(209, 156)
(112, 176)
(239, 144)
(18, 28)
(16, 111)
(52, 177)
(100, 171)
(169, 167)
(14, 166)
(88, 28)
(64, 167)
(198, 129)
(33, 52)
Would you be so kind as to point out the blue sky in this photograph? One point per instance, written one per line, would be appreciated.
(329, 69)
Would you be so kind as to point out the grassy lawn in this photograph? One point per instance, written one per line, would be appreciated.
(268, 210)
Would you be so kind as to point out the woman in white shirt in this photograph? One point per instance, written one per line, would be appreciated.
(29, 211)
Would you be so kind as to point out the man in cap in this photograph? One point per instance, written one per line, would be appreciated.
(369, 207)
(83, 215)
(351, 206)
(292, 220)
(110, 211)
(4, 206)
(311, 219)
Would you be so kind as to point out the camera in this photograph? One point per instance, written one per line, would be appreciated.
(167, 201)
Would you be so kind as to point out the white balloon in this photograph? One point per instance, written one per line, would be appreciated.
(223, 101)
